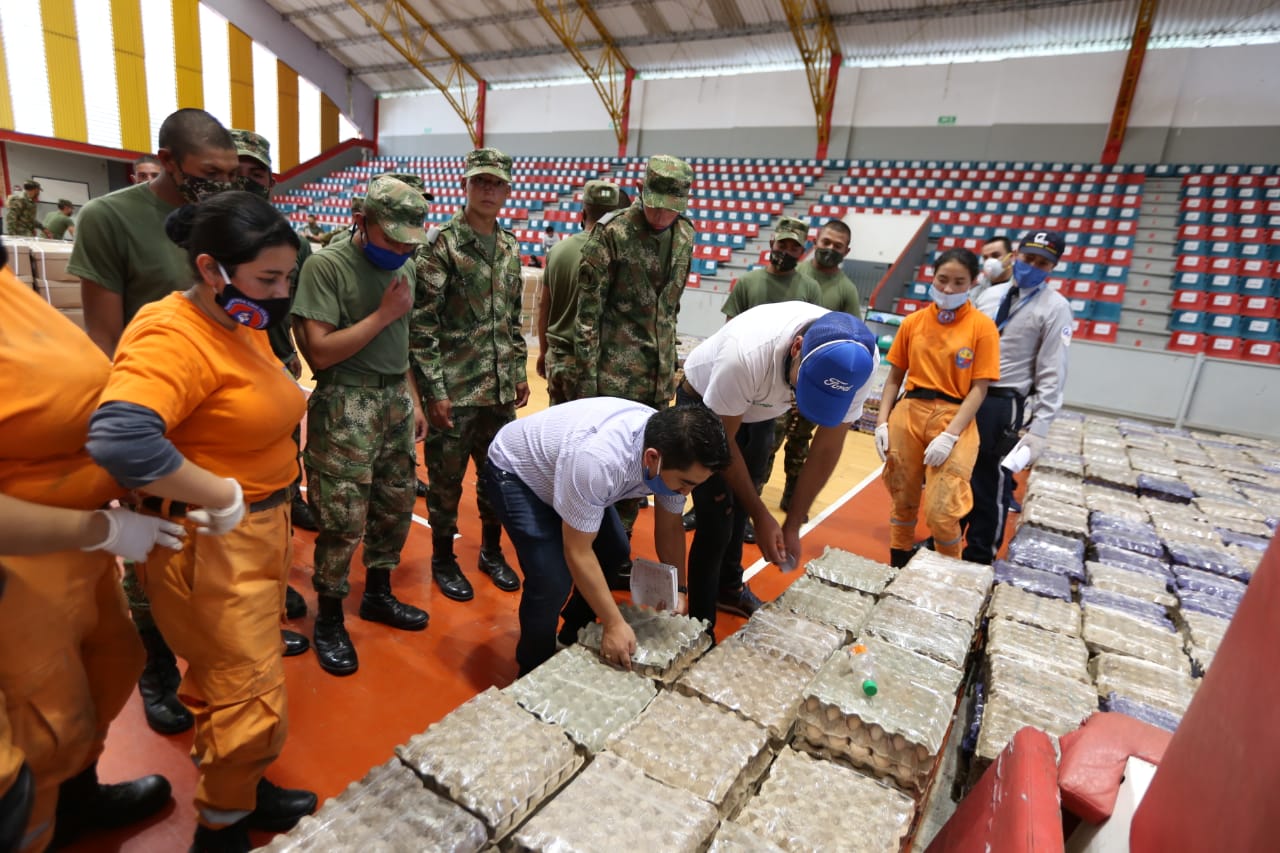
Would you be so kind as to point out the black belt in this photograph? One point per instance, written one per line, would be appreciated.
(178, 509)
(930, 394)
(1005, 392)
(360, 380)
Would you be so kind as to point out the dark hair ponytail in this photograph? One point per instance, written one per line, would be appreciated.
(232, 227)
(964, 257)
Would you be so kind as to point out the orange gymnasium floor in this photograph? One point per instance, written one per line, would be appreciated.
(340, 727)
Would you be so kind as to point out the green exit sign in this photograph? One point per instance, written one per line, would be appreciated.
(946, 119)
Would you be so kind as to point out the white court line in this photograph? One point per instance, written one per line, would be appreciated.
(758, 565)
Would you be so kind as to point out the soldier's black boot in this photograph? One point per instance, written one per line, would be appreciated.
(279, 809)
(899, 557)
(446, 571)
(293, 642)
(228, 839)
(379, 605)
(86, 805)
(300, 514)
(295, 606)
(159, 686)
(333, 646)
(492, 563)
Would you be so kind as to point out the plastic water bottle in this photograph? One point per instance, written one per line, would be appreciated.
(864, 669)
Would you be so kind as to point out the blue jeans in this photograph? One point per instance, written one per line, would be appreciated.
(536, 532)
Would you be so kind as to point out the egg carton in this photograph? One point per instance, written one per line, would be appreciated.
(1116, 476)
(1142, 681)
(1215, 508)
(1107, 630)
(1240, 526)
(1035, 581)
(818, 601)
(1054, 484)
(910, 627)
(1005, 716)
(457, 758)
(1134, 584)
(1070, 463)
(1049, 514)
(388, 811)
(1248, 558)
(700, 748)
(943, 585)
(808, 804)
(1149, 463)
(785, 635)
(1051, 614)
(848, 570)
(895, 734)
(1203, 630)
(734, 838)
(753, 684)
(589, 699)
(1050, 651)
(613, 805)
(1018, 678)
(666, 643)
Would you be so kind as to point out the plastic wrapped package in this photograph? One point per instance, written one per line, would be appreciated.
(932, 634)
(1217, 508)
(807, 804)
(1131, 560)
(841, 608)
(1185, 577)
(1093, 598)
(895, 734)
(1158, 717)
(613, 805)
(749, 682)
(735, 838)
(1201, 660)
(1116, 476)
(1120, 633)
(1142, 681)
(1067, 463)
(1051, 552)
(1004, 716)
(782, 634)
(388, 811)
(1133, 584)
(1060, 517)
(1204, 630)
(1125, 542)
(700, 748)
(1051, 614)
(1114, 504)
(1257, 535)
(1142, 531)
(589, 699)
(1205, 602)
(1150, 463)
(1068, 698)
(1209, 559)
(943, 585)
(1047, 584)
(1189, 531)
(848, 570)
(456, 758)
(1054, 653)
(1165, 488)
(1247, 557)
(666, 643)
(1054, 484)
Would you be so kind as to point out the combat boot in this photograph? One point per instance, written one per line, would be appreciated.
(279, 809)
(158, 685)
(334, 650)
(379, 605)
(899, 557)
(86, 805)
(447, 573)
(492, 563)
(295, 606)
(227, 839)
(301, 516)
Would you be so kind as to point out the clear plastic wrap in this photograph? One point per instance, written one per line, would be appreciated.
(1104, 522)
(749, 682)
(1219, 507)
(1051, 552)
(1107, 630)
(1185, 530)
(1115, 476)
(1185, 577)
(1051, 614)
(1165, 488)
(1066, 463)
(1004, 716)
(807, 804)
(1142, 681)
(735, 838)
(1053, 484)
(844, 609)
(666, 643)
(1047, 584)
(1201, 660)
(502, 786)
(1131, 560)
(1060, 517)
(1138, 585)
(1204, 630)
(848, 570)
(943, 585)
(932, 634)
(1257, 537)
(784, 635)
(895, 734)
(1158, 717)
(612, 805)
(1150, 463)
(388, 811)
(1125, 542)
(1115, 504)
(1054, 653)
(1209, 559)
(589, 699)
(1206, 602)
(1247, 557)
(1071, 698)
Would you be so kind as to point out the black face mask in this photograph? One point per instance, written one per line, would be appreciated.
(781, 261)
(247, 311)
(827, 258)
(249, 185)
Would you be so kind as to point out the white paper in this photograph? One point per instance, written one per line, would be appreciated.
(654, 584)
(1017, 459)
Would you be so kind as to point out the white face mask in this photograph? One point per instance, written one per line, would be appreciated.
(992, 267)
(947, 301)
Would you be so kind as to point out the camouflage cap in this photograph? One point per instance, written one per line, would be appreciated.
(255, 145)
(488, 161)
(398, 208)
(409, 178)
(601, 193)
(666, 183)
(790, 228)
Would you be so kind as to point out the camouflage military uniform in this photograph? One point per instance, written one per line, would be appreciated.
(20, 219)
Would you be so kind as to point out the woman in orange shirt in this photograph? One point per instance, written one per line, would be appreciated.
(948, 354)
(198, 412)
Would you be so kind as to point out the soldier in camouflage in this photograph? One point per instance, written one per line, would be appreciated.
(363, 419)
(20, 219)
(468, 309)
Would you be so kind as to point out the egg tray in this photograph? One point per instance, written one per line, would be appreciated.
(1053, 484)
(1050, 614)
(1112, 631)
(1203, 630)
(748, 681)
(1142, 681)
(1133, 584)
(1057, 460)
(1048, 514)
(1036, 581)
(1201, 660)
(1157, 717)
(848, 570)
(818, 601)
(944, 585)
(388, 811)
(613, 805)
(1035, 686)
(1157, 615)
(1004, 716)
(586, 697)
(1150, 463)
(1206, 602)
(666, 643)
(807, 804)
(1219, 508)
(1116, 504)
(1049, 651)
(1049, 551)
(1115, 476)
(732, 837)
(931, 634)
(457, 758)
(1209, 559)
(784, 635)
(1125, 559)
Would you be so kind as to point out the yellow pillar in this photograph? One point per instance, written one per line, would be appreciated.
(62, 55)
(328, 123)
(287, 105)
(186, 53)
(240, 53)
(131, 75)
(6, 102)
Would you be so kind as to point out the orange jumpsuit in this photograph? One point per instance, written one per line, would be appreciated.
(69, 654)
(230, 407)
(945, 358)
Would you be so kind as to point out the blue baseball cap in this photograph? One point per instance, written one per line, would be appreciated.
(835, 361)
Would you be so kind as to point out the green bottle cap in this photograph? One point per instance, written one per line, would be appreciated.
(869, 687)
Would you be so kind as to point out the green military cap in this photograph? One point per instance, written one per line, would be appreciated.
(601, 193)
(255, 145)
(63, 202)
(398, 208)
(409, 178)
(488, 161)
(666, 183)
(790, 228)
(32, 185)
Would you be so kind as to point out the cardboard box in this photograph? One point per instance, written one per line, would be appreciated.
(49, 260)
(60, 294)
(19, 257)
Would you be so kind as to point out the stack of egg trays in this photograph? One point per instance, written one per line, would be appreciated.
(850, 571)
(389, 809)
(613, 805)
(1114, 503)
(1135, 584)
(895, 734)
(1142, 681)
(666, 643)
(843, 609)
(1019, 694)
(944, 585)
(732, 837)
(1051, 614)
(784, 635)
(493, 758)
(1117, 476)
(1047, 551)
(1248, 557)
(1154, 464)
(1070, 463)
(1204, 633)
(1048, 651)
(1117, 623)
(1112, 555)
(589, 699)
(1123, 531)
(809, 804)
(923, 631)
(1053, 484)
(1209, 559)
(1042, 583)
(1048, 513)
(1169, 489)
(1148, 714)
(700, 748)
(753, 684)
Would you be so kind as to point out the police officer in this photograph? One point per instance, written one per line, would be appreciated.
(469, 358)
(1035, 331)
(363, 418)
(20, 220)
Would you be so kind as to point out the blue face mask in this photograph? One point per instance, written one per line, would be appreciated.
(656, 485)
(947, 301)
(1027, 277)
(384, 259)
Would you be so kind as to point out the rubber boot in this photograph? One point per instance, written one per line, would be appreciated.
(159, 686)
(334, 650)
(446, 572)
(899, 557)
(492, 563)
(86, 805)
(379, 605)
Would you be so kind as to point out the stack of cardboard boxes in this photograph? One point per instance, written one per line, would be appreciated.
(43, 265)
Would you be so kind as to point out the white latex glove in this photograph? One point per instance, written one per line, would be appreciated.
(882, 441)
(132, 536)
(939, 449)
(1034, 444)
(216, 522)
